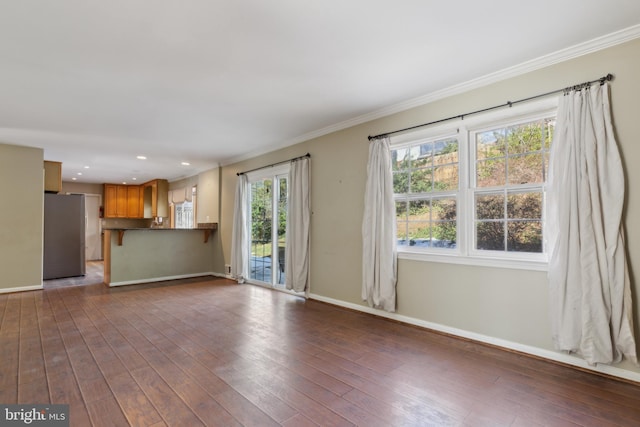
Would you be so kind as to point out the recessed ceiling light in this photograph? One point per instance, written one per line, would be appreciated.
(133, 179)
(74, 178)
(185, 163)
(79, 173)
(142, 157)
(124, 182)
(86, 167)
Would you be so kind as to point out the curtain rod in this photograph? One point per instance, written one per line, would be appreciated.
(275, 164)
(601, 80)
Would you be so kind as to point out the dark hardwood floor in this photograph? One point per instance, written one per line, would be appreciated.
(207, 351)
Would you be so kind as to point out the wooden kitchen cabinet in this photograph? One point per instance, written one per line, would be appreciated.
(134, 201)
(110, 201)
(52, 176)
(122, 201)
(156, 198)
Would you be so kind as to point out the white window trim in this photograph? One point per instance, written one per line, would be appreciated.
(464, 252)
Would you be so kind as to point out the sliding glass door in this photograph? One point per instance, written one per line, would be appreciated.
(268, 225)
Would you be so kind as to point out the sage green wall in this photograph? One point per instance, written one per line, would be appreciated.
(504, 304)
(174, 253)
(22, 189)
(208, 196)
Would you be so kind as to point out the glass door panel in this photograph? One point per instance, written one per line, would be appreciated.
(268, 229)
(260, 259)
(280, 229)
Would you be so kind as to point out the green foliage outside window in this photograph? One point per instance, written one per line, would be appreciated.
(508, 217)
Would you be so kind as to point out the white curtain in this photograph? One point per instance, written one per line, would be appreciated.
(240, 233)
(177, 196)
(298, 224)
(590, 293)
(188, 196)
(379, 256)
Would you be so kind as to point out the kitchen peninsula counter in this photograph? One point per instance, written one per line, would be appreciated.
(141, 255)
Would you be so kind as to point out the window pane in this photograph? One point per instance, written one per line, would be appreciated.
(401, 210)
(444, 209)
(401, 222)
(400, 159)
(490, 236)
(402, 238)
(421, 180)
(447, 148)
(525, 169)
(445, 178)
(525, 138)
(490, 144)
(422, 155)
(490, 206)
(524, 205)
(419, 210)
(430, 220)
(400, 182)
(524, 236)
(419, 230)
(491, 173)
(444, 234)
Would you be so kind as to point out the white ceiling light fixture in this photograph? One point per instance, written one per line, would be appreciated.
(141, 157)
(185, 164)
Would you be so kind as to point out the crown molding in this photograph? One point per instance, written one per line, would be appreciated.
(559, 56)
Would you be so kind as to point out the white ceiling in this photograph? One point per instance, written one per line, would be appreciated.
(96, 83)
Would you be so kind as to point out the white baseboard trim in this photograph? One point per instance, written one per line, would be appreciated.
(162, 279)
(498, 342)
(22, 289)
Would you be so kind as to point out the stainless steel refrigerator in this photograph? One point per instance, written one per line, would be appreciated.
(64, 231)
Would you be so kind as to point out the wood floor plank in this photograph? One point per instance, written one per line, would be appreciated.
(10, 351)
(32, 381)
(206, 351)
(305, 405)
(170, 406)
(134, 403)
(243, 410)
(106, 412)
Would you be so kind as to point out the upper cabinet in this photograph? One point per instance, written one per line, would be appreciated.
(156, 198)
(52, 176)
(134, 201)
(148, 200)
(122, 201)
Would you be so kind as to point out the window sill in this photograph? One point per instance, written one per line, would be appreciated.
(481, 261)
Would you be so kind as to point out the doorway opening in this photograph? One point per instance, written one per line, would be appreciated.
(94, 265)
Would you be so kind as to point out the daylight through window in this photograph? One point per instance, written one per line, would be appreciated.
(476, 189)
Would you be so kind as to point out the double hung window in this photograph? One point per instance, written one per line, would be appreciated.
(474, 191)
